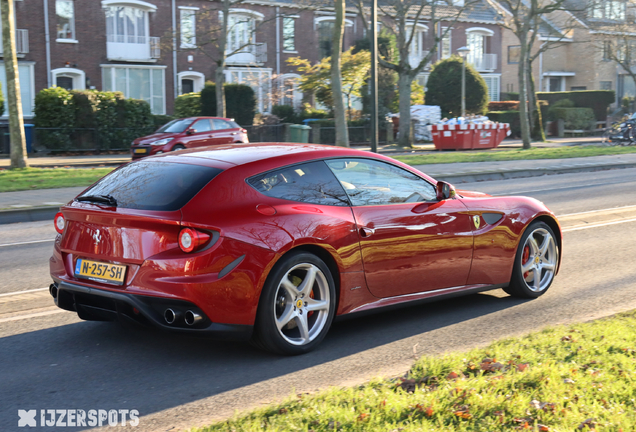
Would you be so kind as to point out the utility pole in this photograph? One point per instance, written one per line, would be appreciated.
(373, 34)
(16, 122)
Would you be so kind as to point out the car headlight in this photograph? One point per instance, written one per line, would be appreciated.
(162, 141)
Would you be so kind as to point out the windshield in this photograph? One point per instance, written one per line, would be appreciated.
(175, 126)
(146, 185)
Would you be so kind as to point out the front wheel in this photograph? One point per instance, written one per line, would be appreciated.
(178, 147)
(536, 262)
(297, 305)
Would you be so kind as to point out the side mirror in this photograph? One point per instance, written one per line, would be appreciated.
(191, 131)
(445, 191)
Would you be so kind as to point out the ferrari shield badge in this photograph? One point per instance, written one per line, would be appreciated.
(476, 221)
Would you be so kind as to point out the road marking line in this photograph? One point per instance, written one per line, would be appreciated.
(559, 188)
(577, 228)
(29, 242)
(598, 211)
(33, 315)
(23, 292)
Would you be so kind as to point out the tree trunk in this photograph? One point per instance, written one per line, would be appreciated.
(219, 80)
(534, 103)
(523, 93)
(16, 122)
(404, 88)
(342, 133)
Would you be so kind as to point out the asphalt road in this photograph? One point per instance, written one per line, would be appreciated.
(51, 359)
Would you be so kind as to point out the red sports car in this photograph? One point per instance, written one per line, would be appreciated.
(270, 242)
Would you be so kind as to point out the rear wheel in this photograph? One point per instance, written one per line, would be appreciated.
(536, 262)
(297, 305)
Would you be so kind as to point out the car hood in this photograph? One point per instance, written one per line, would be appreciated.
(154, 137)
(471, 194)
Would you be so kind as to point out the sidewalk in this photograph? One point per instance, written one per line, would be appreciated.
(25, 206)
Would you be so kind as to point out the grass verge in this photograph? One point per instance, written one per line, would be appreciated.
(47, 178)
(508, 155)
(568, 378)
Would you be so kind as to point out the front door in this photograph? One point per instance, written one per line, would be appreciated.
(410, 242)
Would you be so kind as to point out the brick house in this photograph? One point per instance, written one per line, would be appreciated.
(128, 46)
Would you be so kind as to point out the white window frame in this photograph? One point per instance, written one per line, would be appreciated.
(449, 39)
(251, 18)
(297, 95)
(30, 85)
(148, 7)
(128, 67)
(78, 76)
(263, 101)
(73, 38)
(293, 19)
(494, 92)
(197, 77)
(186, 12)
(416, 49)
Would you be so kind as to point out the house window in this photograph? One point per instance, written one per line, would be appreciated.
(555, 84)
(289, 34)
(608, 9)
(605, 85)
(125, 24)
(27, 87)
(187, 85)
(607, 50)
(69, 78)
(257, 78)
(190, 82)
(578, 88)
(240, 33)
(475, 42)
(65, 13)
(145, 83)
(188, 28)
(325, 37)
(290, 93)
(446, 47)
(416, 50)
(492, 82)
(514, 54)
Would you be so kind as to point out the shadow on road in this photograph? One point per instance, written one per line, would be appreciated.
(92, 365)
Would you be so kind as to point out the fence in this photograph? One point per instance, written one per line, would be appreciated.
(358, 135)
(266, 133)
(87, 139)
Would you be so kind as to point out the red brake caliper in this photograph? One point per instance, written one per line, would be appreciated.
(524, 258)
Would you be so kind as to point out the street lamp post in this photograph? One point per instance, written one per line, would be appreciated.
(463, 52)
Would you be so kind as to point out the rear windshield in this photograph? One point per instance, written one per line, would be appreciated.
(175, 126)
(162, 186)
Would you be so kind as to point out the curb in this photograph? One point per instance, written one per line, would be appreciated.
(31, 214)
(477, 176)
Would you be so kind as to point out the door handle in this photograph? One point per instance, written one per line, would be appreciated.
(366, 232)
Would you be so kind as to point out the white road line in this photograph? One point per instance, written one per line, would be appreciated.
(577, 228)
(598, 211)
(23, 292)
(33, 315)
(25, 243)
(559, 188)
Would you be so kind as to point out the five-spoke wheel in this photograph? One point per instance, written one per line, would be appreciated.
(536, 262)
(297, 305)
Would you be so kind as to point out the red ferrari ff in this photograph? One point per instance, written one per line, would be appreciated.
(270, 242)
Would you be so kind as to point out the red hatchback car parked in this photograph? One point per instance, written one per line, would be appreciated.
(272, 241)
(189, 133)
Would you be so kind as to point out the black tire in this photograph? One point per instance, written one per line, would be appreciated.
(178, 147)
(286, 305)
(532, 260)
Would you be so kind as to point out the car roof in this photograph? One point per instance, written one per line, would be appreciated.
(206, 117)
(240, 154)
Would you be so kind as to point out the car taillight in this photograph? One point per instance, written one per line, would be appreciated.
(191, 239)
(59, 222)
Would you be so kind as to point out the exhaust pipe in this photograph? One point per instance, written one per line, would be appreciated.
(191, 318)
(171, 315)
(53, 291)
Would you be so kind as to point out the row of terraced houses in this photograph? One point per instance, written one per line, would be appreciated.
(128, 46)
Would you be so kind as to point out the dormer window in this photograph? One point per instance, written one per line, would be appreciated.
(613, 10)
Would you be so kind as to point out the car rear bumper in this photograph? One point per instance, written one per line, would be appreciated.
(96, 304)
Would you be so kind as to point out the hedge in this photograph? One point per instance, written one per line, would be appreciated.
(598, 100)
(503, 105)
(54, 108)
(188, 105)
(575, 118)
(240, 102)
(512, 117)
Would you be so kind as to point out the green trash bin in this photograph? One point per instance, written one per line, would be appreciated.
(299, 133)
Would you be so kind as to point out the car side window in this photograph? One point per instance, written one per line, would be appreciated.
(202, 125)
(221, 124)
(310, 182)
(371, 182)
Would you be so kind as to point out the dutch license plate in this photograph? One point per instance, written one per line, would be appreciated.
(140, 150)
(100, 272)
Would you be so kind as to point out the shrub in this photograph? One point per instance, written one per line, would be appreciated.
(503, 105)
(285, 113)
(511, 117)
(97, 111)
(444, 88)
(134, 120)
(309, 112)
(188, 105)
(159, 120)
(513, 96)
(598, 100)
(574, 118)
(240, 102)
(54, 108)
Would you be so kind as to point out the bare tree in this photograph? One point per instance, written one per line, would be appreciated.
(401, 18)
(16, 122)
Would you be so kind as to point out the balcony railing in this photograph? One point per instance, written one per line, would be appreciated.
(132, 48)
(249, 55)
(485, 62)
(21, 42)
(155, 47)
